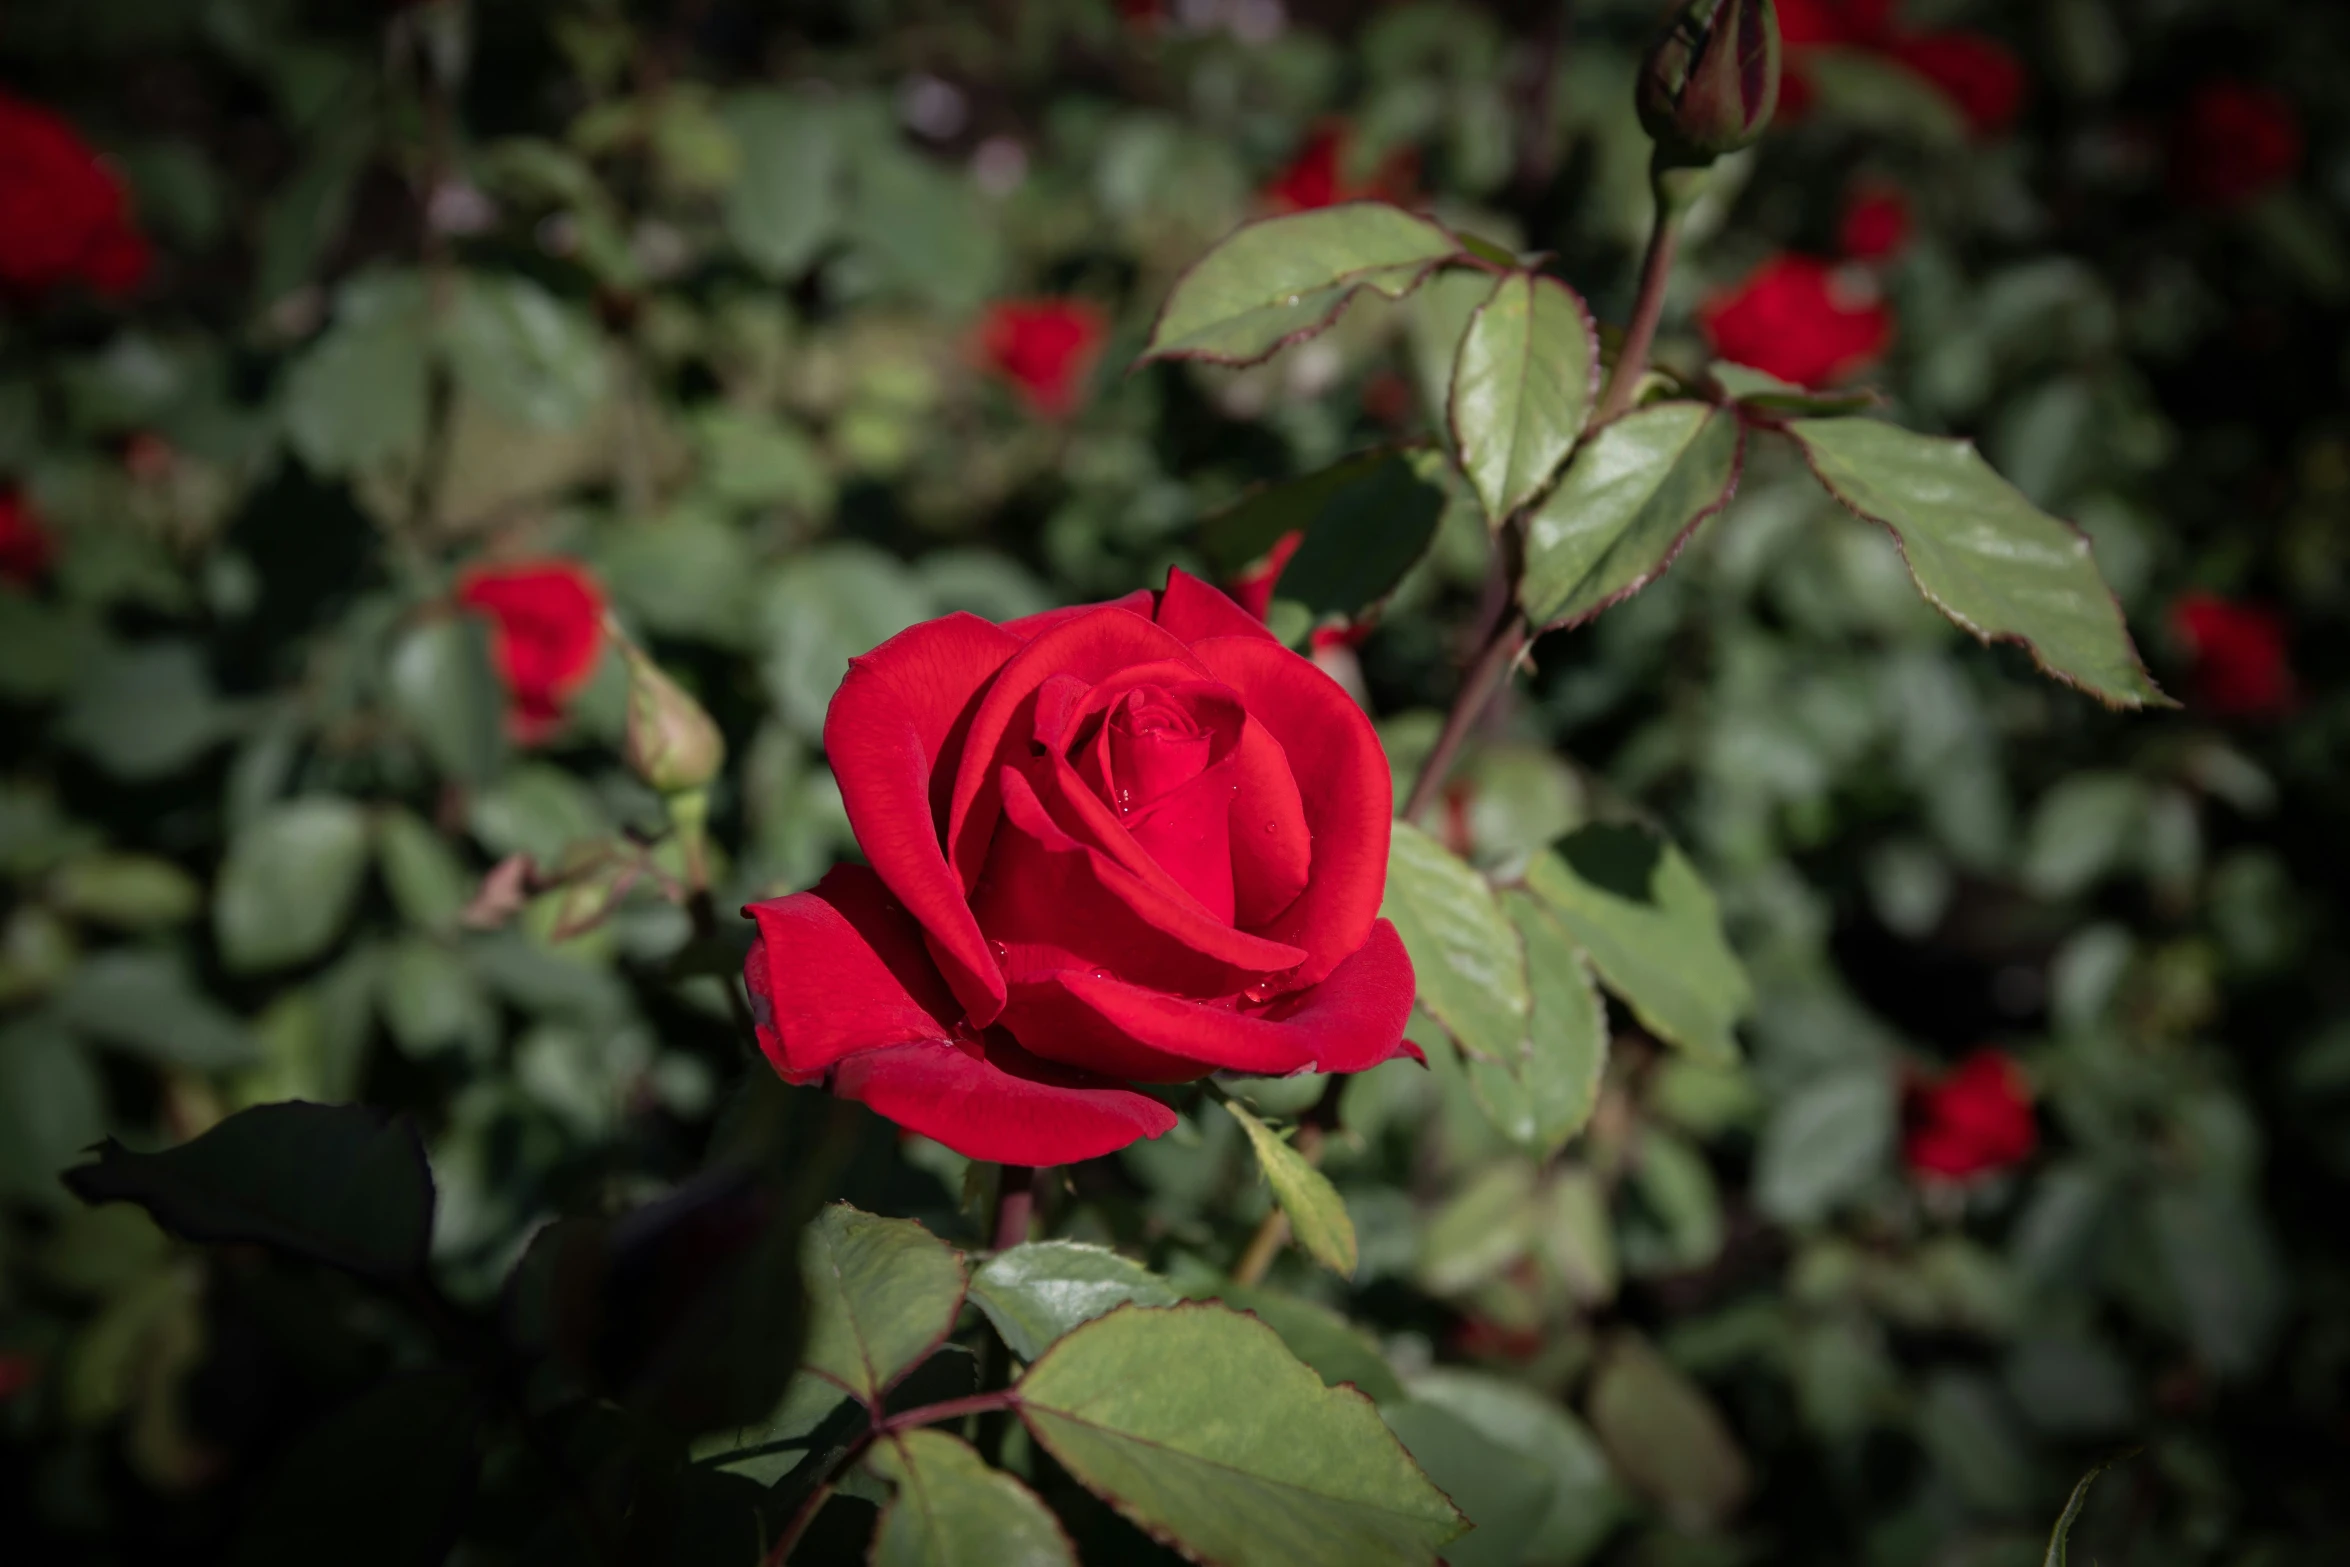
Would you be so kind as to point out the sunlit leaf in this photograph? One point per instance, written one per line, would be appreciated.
(1522, 387)
(1465, 952)
(1317, 1215)
(1636, 490)
(1544, 1091)
(1037, 1291)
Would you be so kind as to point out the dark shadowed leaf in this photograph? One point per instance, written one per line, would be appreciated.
(949, 1509)
(1317, 1215)
(1981, 553)
(52, 1108)
(339, 1184)
(1625, 506)
(1037, 1291)
(883, 1294)
(145, 1001)
(1522, 387)
(1199, 1426)
(383, 1482)
(2059, 1538)
(1275, 282)
(1363, 537)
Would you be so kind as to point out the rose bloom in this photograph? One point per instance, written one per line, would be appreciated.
(1045, 348)
(1316, 176)
(546, 632)
(25, 545)
(2238, 141)
(64, 216)
(1975, 1121)
(2240, 667)
(1875, 225)
(1133, 842)
(1800, 319)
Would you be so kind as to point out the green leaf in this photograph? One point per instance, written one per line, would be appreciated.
(385, 1481)
(144, 712)
(1636, 905)
(288, 882)
(756, 459)
(784, 205)
(1543, 1092)
(146, 1001)
(1584, 1502)
(918, 228)
(1522, 388)
(1279, 281)
(1824, 1143)
(52, 1108)
(1317, 1215)
(1503, 1494)
(883, 1294)
(2059, 1553)
(127, 891)
(358, 397)
(1363, 537)
(826, 607)
(433, 1002)
(527, 355)
(1981, 553)
(339, 1184)
(1335, 1348)
(445, 688)
(430, 886)
(1037, 1291)
(1665, 1436)
(1465, 952)
(1635, 492)
(948, 1509)
(1767, 394)
(2216, 1254)
(1200, 1427)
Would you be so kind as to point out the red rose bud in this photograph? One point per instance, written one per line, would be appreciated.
(1135, 842)
(64, 215)
(1875, 225)
(1801, 319)
(25, 545)
(1976, 1121)
(2237, 142)
(2240, 666)
(546, 631)
(1710, 83)
(670, 742)
(1045, 349)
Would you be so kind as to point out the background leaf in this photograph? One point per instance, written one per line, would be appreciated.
(288, 883)
(400, 1460)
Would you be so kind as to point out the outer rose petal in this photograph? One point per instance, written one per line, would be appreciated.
(996, 1101)
(839, 970)
(1350, 1022)
(1343, 783)
(1029, 627)
(893, 735)
(1194, 611)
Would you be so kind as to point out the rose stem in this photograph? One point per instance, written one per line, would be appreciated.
(1675, 189)
(1015, 1201)
(1485, 676)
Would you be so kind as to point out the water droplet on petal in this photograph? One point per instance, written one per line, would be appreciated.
(1268, 827)
(1001, 951)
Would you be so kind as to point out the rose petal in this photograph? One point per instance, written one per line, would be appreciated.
(1272, 847)
(1029, 627)
(996, 1101)
(893, 734)
(1353, 1020)
(1195, 611)
(839, 970)
(1342, 782)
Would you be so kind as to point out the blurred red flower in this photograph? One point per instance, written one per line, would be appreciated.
(1798, 318)
(1976, 1120)
(1875, 225)
(1045, 348)
(2236, 141)
(547, 630)
(25, 545)
(2240, 667)
(64, 216)
(1316, 177)
(1977, 73)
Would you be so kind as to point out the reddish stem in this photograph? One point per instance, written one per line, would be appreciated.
(926, 1414)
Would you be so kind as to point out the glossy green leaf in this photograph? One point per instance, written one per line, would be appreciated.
(339, 1184)
(1543, 1092)
(2060, 1537)
(1583, 1501)
(1273, 283)
(784, 205)
(1522, 388)
(1503, 1494)
(1465, 952)
(1317, 1215)
(1665, 1437)
(949, 1509)
(288, 882)
(883, 1294)
(1199, 1426)
(1636, 906)
(385, 1481)
(1981, 553)
(1037, 1291)
(1634, 493)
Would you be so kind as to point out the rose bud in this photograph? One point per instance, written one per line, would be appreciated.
(1710, 83)
(670, 742)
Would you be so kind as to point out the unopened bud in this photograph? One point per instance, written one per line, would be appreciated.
(671, 743)
(1710, 83)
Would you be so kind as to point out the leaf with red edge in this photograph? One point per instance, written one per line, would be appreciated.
(883, 1294)
(1523, 384)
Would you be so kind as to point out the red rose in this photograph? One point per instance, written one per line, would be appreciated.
(1807, 22)
(1974, 1121)
(1045, 348)
(2239, 653)
(1976, 73)
(63, 214)
(1800, 319)
(1127, 842)
(25, 545)
(1316, 177)
(547, 629)
(1875, 225)
(2236, 142)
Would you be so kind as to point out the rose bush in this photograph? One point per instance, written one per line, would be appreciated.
(1131, 842)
